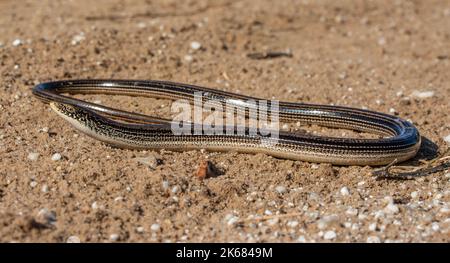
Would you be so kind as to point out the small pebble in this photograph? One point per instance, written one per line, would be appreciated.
(391, 208)
(78, 38)
(17, 42)
(44, 188)
(373, 227)
(33, 156)
(33, 184)
(381, 41)
(140, 229)
(232, 220)
(351, 211)
(195, 45)
(73, 239)
(292, 224)
(165, 185)
(423, 94)
(301, 239)
(188, 58)
(314, 166)
(56, 157)
(280, 189)
(373, 239)
(435, 227)
(155, 227)
(344, 191)
(151, 161)
(447, 139)
(326, 221)
(329, 235)
(94, 205)
(45, 216)
(113, 237)
(414, 194)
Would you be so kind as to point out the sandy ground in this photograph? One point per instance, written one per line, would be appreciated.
(389, 56)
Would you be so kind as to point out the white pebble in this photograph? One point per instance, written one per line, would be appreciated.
(141, 25)
(56, 157)
(195, 45)
(292, 224)
(94, 205)
(344, 191)
(351, 211)
(391, 208)
(114, 237)
(165, 185)
(447, 139)
(392, 111)
(232, 220)
(329, 235)
(414, 194)
(314, 166)
(33, 156)
(17, 42)
(268, 212)
(188, 58)
(423, 94)
(78, 38)
(301, 239)
(140, 229)
(373, 227)
(280, 189)
(155, 227)
(435, 226)
(151, 161)
(44, 188)
(33, 184)
(373, 239)
(382, 41)
(73, 239)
